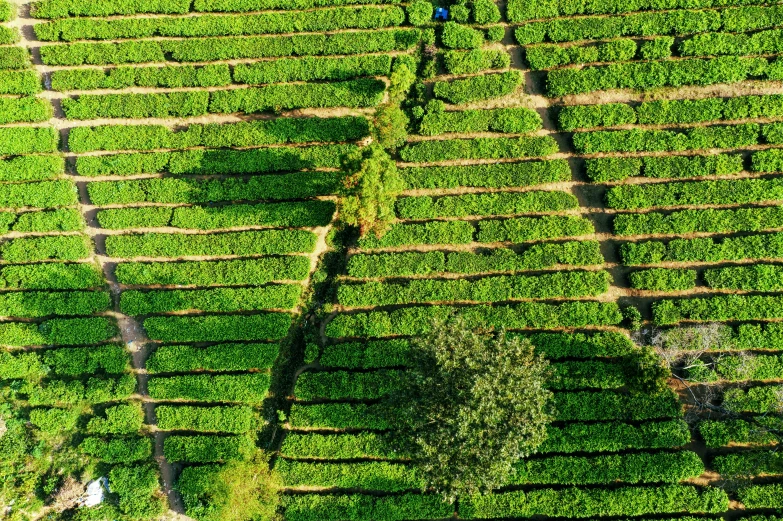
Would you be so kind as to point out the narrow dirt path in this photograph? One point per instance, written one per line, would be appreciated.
(132, 333)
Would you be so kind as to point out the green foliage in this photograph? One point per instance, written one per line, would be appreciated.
(639, 140)
(61, 9)
(118, 450)
(757, 277)
(573, 117)
(372, 475)
(512, 120)
(718, 308)
(654, 74)
(478, 88)
(662, 167)
(450, 392)
(761, 496)
(31, 168)
(27, 140)
(207, 449)
(370, 189)
(119, 419)
(565, 284)
(657, 48)
(498, 175)
(416, 320)
(219, 357)
(661, 279)
(475, 60)
(246, 388)
(284, 296)
(330, 19)
(334, 507)
(138, 489)
(426, 207)
(703, 220)
(584, 503)
(220, 273)
(233, 243)
(535, 257)
(24, 110)
(171, 76)
(218, 328)
(456, 36)
(391, 126)
(419, 12)
(51, 276)
(19, 82)
(237, 491)
(30, 249)
(171, 104)
(749, 464)
(312, 68)
(718, 434)
(235, 419)
(547, 56)
(478, 148)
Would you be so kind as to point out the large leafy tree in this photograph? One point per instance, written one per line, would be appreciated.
(370, 190)
(472, 404)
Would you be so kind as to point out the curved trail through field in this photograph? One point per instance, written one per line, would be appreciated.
(132, 333)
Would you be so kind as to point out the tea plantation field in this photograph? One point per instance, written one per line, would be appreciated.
(177, 290)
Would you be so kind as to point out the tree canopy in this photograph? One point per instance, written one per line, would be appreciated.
(472, 405)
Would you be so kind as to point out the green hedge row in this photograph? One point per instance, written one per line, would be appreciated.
(43, 194)
(563, 284)
(586, 503)
(713, 44)
(569, 406)
(335, 507)
(312, 69)
(118, 450)
(757, 277)
(478, 88)
(165, 105)
(28, 140)
(518, 229)
(364, 92)
(7, 12)
(416, 320)
(31, 249)
(214, 75)
(475, 61)
(704, 220)
(665, 112)
(33, 304)
(190, 190)
(233, 243)
(500, 203)
(662, 279)
(248, 388)
(293, 214)
(77, 392)
(64, 361)
(718, 434)
(654, 74)
(655, 195)
(59, 220)
(758, 400)
(281, 296)
(239, 272)
(749, 463)
(535, 257)
(31, 168)
(575, 437)
(761, 496)
(366, 475)
(62, 331)
(342, 385)
(207, 449)
(257, 161)
(662, 167)
(761, 367)
(519, 10)
(644, 467)
(20, 82)
(15, 58)
(126, 418)
(478, 148)
(219, 357)
(229, 48)
(221, 25)
(235, 419)
(718, 309)
(499, 175)
(517, 120)
(457, 36)
(218, 328)
(639, 140)
(24, 110)
(706, 249)
(549, 55)
(554, 346)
